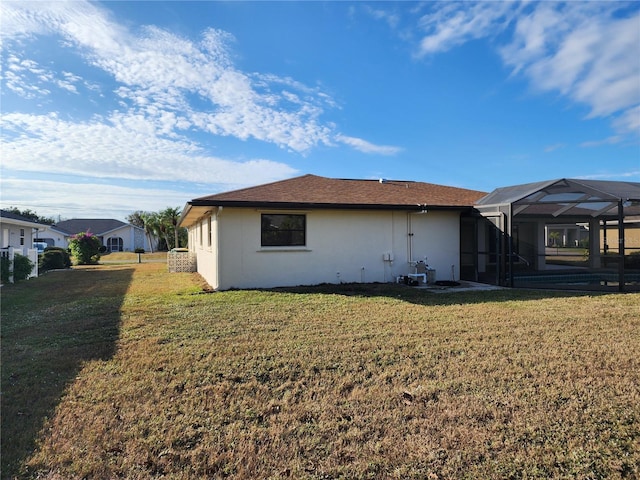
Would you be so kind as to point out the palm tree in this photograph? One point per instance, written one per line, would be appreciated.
(151, 226)
(169, 218)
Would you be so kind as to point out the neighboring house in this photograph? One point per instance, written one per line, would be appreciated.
(17, 234)
(18, 231)
(115, 235)
(312, 230)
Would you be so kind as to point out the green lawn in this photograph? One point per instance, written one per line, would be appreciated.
(127, 371)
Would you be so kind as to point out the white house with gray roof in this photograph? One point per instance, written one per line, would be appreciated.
(117, 236)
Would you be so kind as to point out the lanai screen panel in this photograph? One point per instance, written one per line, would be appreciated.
(612, 207)
(579, 198)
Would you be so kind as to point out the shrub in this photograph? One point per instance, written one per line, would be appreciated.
(5, 269)
(85, 248)
(22, 267)
(54, 258)
(632, 260)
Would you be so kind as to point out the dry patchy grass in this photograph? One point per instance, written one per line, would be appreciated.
(131, 257)
(334, 382)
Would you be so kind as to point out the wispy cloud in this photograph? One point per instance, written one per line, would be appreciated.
(52, 198)
(449, 24)
(586, 51)
(392, 19)
(367, 147)
(121, 146)
(552, 148)
(612, 140)
(612, 176)
(161, 73)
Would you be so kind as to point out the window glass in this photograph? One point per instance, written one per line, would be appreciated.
(282, 230)
(115, 244)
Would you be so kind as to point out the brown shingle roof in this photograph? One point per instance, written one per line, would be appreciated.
(321, 191)
(312, 191)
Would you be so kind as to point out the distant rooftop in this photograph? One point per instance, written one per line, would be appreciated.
(96, 226)
(14, 216)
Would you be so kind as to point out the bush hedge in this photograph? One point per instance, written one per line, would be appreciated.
(5, 269)
(86, 248)
(22, 267)
(54, 258)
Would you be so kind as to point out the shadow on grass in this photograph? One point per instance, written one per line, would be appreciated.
(421, 296)
(50, 327)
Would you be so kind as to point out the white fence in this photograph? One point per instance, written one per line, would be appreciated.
(30, 253)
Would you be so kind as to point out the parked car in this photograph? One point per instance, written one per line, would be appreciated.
(40, 246)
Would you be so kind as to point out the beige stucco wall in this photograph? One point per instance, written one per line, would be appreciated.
(342, 246)
(207, 254)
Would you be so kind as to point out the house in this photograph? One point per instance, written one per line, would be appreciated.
(17, 234)
(115, 235)
(312, 230)
(17, 231)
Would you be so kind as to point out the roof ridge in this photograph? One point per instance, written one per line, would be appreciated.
(252, 187)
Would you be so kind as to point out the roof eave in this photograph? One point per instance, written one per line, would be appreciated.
(316, 205)
(196, 209)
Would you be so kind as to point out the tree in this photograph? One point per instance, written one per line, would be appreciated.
(169, 225)
(137, 218)
(151, 226)
(162, 225)
(31, 215)
(148, 222)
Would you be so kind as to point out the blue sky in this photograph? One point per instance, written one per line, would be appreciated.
(113, 107)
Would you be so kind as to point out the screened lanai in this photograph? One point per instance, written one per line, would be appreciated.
(570, 234)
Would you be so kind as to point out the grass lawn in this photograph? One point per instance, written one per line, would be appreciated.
(127, 371)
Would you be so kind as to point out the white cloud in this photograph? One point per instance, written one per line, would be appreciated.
(166, 88)
(392, 19)
(554, 147)
(122, 146)
(161, 72)
(629, 120)
(87, 199)
(587, 51)
(367, 147)
(612, 140)
(611, 176)
(451, 24)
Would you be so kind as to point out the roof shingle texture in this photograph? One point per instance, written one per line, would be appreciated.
(96, 226)
(312, 189)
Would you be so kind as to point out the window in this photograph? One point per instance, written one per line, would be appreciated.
(115, 244)
(209, 231)
(283, 230)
